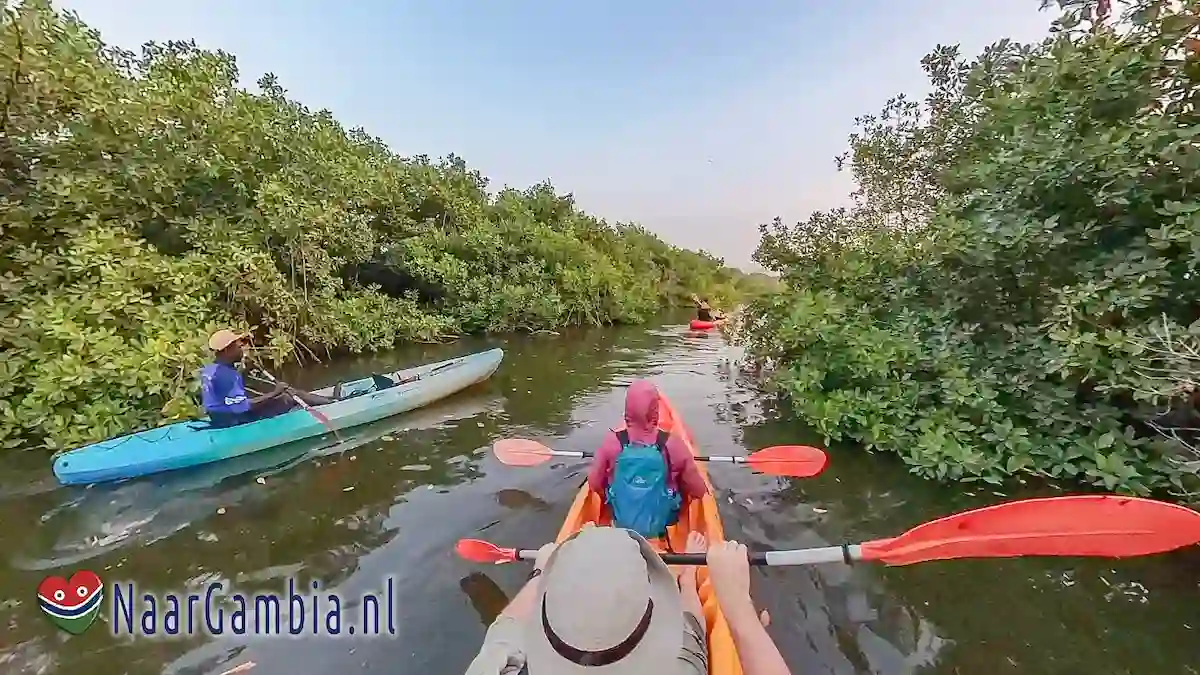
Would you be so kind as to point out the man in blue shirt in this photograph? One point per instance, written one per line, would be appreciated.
(223, 391)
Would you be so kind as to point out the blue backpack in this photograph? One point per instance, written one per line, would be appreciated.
(639, 495)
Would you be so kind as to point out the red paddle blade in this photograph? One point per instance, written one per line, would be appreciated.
(480, 551)
(800, 461)
(521, 452)
(1107, 526)
(322, 418)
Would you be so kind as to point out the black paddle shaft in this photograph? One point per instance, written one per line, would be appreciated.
(700, 559)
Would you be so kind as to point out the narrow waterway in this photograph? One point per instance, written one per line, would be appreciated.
(392, 500)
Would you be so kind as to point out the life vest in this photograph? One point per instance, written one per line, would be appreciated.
(639, 493)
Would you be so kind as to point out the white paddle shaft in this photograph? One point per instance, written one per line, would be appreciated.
(800, 556)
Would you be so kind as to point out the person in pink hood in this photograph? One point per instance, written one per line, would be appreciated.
(644, 474)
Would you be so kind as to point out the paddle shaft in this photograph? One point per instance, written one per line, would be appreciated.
(320, 416)
(271, 378)
(803, 556)
(729, 459)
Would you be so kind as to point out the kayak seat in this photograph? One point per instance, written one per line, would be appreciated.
(382, 382)
(378, 383)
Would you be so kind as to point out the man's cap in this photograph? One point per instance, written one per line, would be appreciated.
(223, 338)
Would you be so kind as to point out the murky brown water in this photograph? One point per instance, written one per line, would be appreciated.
(394, 504)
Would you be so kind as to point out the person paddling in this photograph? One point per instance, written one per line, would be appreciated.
(645, 475)
(704, 311)
(223, 391)
(603, 601)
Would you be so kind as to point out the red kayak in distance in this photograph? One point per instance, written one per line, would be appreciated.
(697, 324)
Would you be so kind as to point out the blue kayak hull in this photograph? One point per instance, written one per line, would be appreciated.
(186, 444)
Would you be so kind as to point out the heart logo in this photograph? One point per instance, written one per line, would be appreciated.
(74, 604)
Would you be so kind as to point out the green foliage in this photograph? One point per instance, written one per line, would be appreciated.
(145, 200)
(984, 308)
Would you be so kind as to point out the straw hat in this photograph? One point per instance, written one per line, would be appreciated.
(607, 605)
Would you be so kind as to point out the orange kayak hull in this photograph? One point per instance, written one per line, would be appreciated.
(701, 516)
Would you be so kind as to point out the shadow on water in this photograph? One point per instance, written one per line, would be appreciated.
(97, 519)
(485, 595)
(391, 506)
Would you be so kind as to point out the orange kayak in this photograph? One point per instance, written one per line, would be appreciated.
(699, 516)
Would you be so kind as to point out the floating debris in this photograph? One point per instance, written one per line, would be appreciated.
(240, 669)
(348, 489)
(221, 511)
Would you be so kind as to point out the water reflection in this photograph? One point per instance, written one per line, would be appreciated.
(98, 519)
(1012, 614)
(520, 499)
(486, 597)
(394, 504)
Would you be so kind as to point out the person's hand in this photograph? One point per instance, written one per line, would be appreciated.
(543, 555)
(729, 572)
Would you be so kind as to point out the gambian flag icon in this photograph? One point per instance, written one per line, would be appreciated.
(72, 605)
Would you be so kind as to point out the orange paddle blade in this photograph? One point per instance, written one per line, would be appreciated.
(521, 452)
(1108, 526)
(800, 461)
(480, 551)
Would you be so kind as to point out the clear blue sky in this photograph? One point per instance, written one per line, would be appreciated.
(697, 118)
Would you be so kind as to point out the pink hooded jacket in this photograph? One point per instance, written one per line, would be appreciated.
(641, 421)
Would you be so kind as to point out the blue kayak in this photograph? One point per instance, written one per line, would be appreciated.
(193, 443)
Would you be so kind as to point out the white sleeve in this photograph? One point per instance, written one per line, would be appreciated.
(502, 652)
